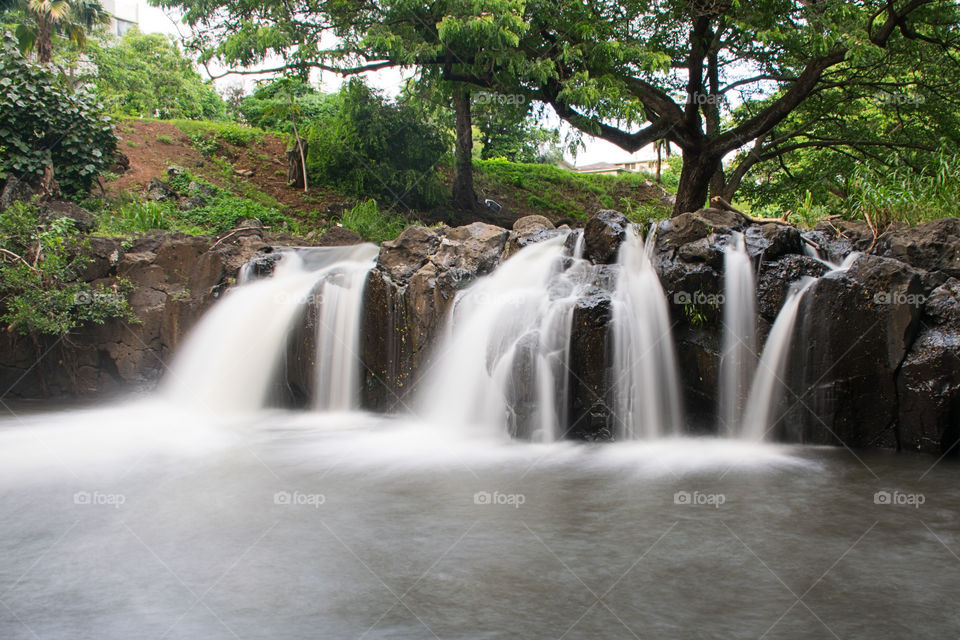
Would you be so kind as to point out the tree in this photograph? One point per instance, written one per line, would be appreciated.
(636, 72)
(37, 21)
(630, 72)
(148, 76)
(457, 46)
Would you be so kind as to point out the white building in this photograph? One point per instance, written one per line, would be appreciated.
(126, 15)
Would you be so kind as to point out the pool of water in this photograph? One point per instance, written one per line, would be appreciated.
(138, 521)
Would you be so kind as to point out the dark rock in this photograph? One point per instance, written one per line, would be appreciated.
(775, 279)
(159, 191)
(339, 237)
(472, 250)
(856, 232)
(934, 246)
(779, 240)
(603, 233)
(263, 264)
(704, 250)
(121, 163)
(15, 190)
(82, 219)
(695, 225)
(401, 258)
(103, 256)
(928, 383)
(202, 190)
(191, 203)
(854, 331)
(530, 224)
(175, 171)
(590, 417)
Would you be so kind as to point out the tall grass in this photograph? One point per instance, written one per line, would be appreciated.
(901, 194)
(371, 224)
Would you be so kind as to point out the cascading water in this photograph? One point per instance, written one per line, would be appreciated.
(768, 383)
(644, 379)
(505, 356)
(738, 361)
(228, 362)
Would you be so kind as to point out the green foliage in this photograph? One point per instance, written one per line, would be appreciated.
(899, 193)
(147, 76)
(512, 133)
(368, 146)
(277, 104)
(164, 139)
(558, 192)
(371, 224)
(38, 278)
(43, 122)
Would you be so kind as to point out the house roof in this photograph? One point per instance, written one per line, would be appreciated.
(598, 167)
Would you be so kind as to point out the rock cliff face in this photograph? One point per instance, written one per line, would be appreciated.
(875, 359)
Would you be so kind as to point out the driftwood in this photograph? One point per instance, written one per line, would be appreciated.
(719, 203)
(217, 243)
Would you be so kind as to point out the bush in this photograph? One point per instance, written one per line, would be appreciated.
(38, 281)
(369, 146)
(371, 224)
(273, 105)
(43, 123)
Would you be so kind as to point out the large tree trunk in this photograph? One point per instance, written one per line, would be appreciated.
(463, 194)
(698, 171)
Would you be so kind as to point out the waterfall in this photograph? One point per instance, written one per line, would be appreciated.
(505, 355)
(738, 361)
(230, 358)
(768, 384)
(644, 379)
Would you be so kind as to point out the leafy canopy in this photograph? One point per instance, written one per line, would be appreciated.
(44, 123)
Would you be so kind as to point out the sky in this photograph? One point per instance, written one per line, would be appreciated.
(155, 20)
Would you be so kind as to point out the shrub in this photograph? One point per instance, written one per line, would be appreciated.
(369, 146)
(38, 281)
(44, 123)
(371, 224)
(274, 104)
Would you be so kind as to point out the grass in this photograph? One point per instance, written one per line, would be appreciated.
(559, 193)
(164, 139)
(230, 132)
(373, 225)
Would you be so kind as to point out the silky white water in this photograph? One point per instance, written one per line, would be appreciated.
(503, 360)
(768, 384)
(339, 296)
(738, 360)
(230, 358)
(644, 380)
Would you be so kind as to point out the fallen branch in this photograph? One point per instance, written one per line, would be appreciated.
(20, 258)
(719, 203)
(217, 243)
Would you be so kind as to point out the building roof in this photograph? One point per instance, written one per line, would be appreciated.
(598, 167)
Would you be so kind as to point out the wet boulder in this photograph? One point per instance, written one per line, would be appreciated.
(933, 246)
(471, 250)
(401, 258)
(928, 383)
(603, 234)
(590, 417)
(855, 328)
